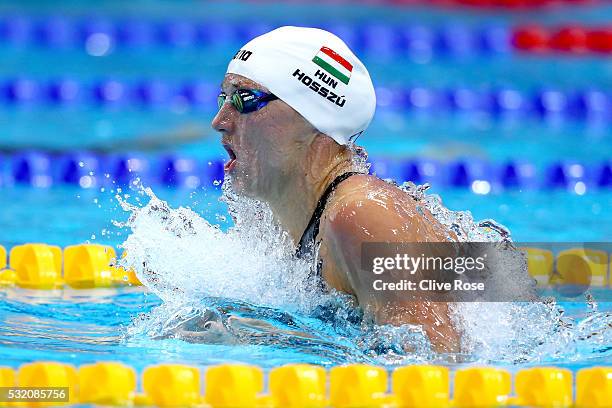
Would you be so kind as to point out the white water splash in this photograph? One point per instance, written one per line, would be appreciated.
(181, 257)
(512, 332)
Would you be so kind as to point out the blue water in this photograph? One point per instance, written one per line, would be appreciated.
(68, 215)
(82, 326)
(86, 326)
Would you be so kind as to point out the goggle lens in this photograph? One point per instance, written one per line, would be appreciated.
(245, 100)
(221, 99)
(237, 101)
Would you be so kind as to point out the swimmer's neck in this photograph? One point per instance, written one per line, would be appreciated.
(305, 187)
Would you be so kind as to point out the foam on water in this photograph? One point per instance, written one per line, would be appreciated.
(245, 286)
(181, 256)
(512, 332)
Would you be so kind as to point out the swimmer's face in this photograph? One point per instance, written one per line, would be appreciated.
(263, 146)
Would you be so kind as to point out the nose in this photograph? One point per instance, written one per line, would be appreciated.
(225, 118)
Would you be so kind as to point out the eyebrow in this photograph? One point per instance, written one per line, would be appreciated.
(240, 84)
(234, 83)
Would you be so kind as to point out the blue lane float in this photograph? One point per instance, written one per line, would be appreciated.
(591, 104)
(216, 33)
(551, 103)
(495, 40)
(504, 101)
(418, 42)
(199, 94)
(153, 93)
(543, 104)
(136, 34)
(483, 177)
(125, 169)
(179, 171)
(81, 169)
(562, 174)
(451, 40)
(21, 91)
(90, 27)
(91, 170)
(188, 172)
(518, 175)
(64, 92)
(110, 92)
(457, 41)
(55, 32)
(178, 34)
(603, 176)
(465, 99)
(463, 173)
(380, 40)
(32, 168)
(17, 31)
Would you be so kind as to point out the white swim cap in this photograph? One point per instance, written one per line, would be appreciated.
(315, 73)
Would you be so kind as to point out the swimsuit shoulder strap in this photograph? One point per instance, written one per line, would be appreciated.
(307, 242)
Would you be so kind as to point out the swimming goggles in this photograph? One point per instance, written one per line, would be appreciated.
(246, 100)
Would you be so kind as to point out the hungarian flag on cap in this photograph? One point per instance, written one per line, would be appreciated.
(333, 63)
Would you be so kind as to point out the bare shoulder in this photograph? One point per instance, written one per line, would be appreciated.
(363, 186)
(366, 209)
(373, 210)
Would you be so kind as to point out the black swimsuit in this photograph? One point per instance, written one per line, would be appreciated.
(307, 246)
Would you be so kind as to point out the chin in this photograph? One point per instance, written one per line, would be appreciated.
(235, 184)
(239, 184)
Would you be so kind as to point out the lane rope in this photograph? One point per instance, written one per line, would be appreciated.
(498, 102)
(83, 266)
(101, 37)
(303, 385)
(91, 170)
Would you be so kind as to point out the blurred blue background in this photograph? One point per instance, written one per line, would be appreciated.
(524, 138)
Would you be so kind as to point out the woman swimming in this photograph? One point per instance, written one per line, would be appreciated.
(291, 105)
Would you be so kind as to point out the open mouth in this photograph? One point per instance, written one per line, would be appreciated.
(229, 165)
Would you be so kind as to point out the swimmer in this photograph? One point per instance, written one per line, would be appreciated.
(291, 105)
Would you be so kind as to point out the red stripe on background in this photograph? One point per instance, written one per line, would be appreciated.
(336, 57)
(576, 40)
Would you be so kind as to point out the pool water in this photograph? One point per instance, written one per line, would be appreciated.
(86, 215)
(85, 326)
(135, 326)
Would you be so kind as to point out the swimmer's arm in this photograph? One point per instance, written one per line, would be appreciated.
(375, 221)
